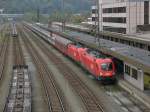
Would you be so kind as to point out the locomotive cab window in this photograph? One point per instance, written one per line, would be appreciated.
(107, 66)
(78, 45)
(95, 54)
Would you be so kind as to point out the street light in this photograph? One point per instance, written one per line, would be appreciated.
(63, 16)
(98, 22)
(1, 11)
(38, 14)
(96, 12)
(97, 8)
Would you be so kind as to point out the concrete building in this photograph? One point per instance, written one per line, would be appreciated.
(134, 76)
(94, 15)
(122, 16)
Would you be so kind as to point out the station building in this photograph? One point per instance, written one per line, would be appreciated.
(125, 16)
(122, 16)
(94, 14)
(134, 75)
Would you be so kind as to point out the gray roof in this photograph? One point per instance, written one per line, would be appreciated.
(140, 55)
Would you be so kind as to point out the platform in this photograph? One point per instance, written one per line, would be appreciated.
(144, 97)
(140, 40)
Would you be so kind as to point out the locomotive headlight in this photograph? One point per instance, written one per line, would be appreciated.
(101, 74)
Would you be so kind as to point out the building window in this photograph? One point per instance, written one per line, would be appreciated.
(94, 11)
(134, 73)
(114, 19)
(148, 48)
(114, 29)
(127, 69)
(115, 10)
(94, 18)
(147, 81)
(146, 12)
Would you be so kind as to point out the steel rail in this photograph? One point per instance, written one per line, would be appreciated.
(89, 99)
(18, 54)
(51, 88)
(18, 63)
(3, 53)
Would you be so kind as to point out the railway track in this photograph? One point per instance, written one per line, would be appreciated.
(55, 99)
(19, 97)
(18, 55)
(89, 99)
(3, 51)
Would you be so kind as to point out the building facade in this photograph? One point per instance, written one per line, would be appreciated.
(94, 14)
(122, 16)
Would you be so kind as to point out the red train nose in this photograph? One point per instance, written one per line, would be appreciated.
(106, 74)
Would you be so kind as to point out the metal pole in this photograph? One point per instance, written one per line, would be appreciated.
(95, 20)
(38, 14)
(63, 16)
(98, 22)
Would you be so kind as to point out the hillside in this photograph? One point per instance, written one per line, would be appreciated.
(47, 6)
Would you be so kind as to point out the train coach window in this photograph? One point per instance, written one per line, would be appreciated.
(107, 66)
(127, 69)
(134, 73)
(111, 39)
(149, 48)
(116, 39)
(78, 45)
(147, 81)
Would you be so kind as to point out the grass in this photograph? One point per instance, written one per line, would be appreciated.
(1, 39)
(66, 32)
(147, 81)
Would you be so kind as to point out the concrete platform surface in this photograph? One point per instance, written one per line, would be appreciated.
(144, 97)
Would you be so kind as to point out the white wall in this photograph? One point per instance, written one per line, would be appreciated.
(114, 4)
(114, 15)
(135, 16)
(94, 7)
(139, 83)
(94, 15)
(149, 12)
(111, 1)
(117, 25)
(100, 15)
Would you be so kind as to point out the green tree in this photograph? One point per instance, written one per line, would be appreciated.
(77, 18)
(37, 7)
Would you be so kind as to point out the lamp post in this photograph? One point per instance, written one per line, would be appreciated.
(1, 11)
(98, 8)
(63, 16)
(97, 21)
(95, 27)
(38, 14)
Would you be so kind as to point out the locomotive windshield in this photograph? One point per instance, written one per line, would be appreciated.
(96, 54)
(107, 66)
(78, 45)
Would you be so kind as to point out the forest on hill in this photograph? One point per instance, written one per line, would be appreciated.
(45, 6)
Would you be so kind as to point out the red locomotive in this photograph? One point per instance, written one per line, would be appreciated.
(75, 50)
(95, 62)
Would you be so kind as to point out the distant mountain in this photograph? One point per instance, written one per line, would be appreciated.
(72, 5)
(46, 6)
